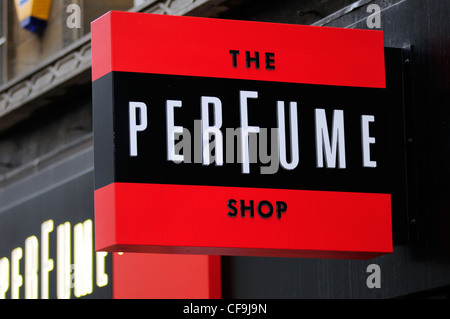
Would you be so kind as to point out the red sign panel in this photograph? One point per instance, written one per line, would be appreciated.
(166, 276)
(169, 179)
(144, 43)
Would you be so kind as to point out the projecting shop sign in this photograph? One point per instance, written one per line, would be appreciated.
(231, 137)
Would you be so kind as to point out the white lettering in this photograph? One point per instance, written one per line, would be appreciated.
(172, 130)
(16, 277)
(367, 140)
(101, 276)
(66, 273)
(134, 127)
(282, 136)
(63, 265)
(46, 263)
(4, 277)
(337, 144)
(246, 129)
(207, 129)
(31, 267)
(83, 258)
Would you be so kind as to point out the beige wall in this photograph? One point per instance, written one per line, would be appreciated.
(26, 50)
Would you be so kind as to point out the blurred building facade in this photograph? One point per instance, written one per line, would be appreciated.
(46, 162)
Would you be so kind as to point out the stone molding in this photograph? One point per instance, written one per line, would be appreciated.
(72, 65)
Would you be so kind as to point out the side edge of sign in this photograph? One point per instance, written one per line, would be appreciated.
(103, 123)
(103, 116)
(101, 46)
(105, 220)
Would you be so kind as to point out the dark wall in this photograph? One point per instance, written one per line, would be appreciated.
(285, 11)
(420, 263)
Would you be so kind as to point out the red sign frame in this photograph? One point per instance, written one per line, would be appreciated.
(192, 219)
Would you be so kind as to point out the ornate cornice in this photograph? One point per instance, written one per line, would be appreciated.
(24, 91)
(72, 65)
